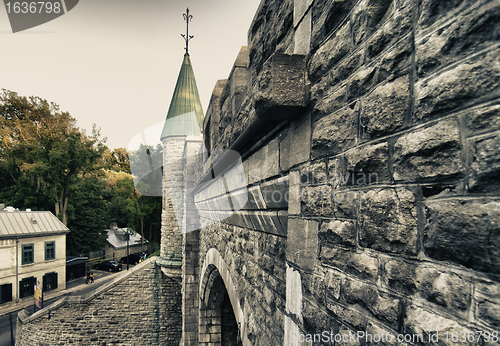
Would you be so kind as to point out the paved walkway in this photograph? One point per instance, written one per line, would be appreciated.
(74, 286)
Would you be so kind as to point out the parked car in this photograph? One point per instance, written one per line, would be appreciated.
(133, 258)
(111, 266)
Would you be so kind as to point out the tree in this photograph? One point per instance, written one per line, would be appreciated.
(88, 216)
(116, 160)
(42, 144)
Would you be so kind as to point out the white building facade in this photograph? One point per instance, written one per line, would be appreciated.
(32, 252)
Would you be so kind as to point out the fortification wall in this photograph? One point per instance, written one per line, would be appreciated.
(140, 307)
(373, 201)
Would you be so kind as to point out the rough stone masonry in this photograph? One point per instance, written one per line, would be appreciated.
(139, 307)
(369, 136)
(369, 133)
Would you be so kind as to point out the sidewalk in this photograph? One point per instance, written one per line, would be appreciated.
(73, 286)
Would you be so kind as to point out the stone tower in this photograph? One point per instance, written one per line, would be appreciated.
(181, 139)
(183, 125)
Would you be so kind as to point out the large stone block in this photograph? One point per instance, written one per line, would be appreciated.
(264, 163)
(367, 165)
(468, 34)
(400, 276)
(281, 87)
(489, 312)
(334, 279)
(302, 245)
(487, 296)
(316, 200)
(300, 140)
(300, 7)
(432, 11)
(348, 315)
(317, 319)
(469, 82)
(315, 283)
(275, 193)
(396, 62)
(384, 110)
(466, 232)
(255, 199)
(346, 203)
(327, 100)
(294, 193)
(383, 307)
(285, 151)
(267, 221)
(483, 119)
(239, 76)
(428, 153)
(344, 69)
(347, 337)
(338, 232)
(329, 17)
(335, 133)
(397, 26)
(357, 263)
(366, 17)
(388, 221)
(448, 290)
(381, 336)
(421, 325)
(330, 53)
(336, 171)
(484, 157)
(313, 173)
(272, 22)
(302, 37)
(361, 82)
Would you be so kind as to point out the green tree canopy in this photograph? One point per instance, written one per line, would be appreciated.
(42, 149)
(47, 163)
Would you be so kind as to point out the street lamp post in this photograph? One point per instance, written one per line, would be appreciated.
(128, 238)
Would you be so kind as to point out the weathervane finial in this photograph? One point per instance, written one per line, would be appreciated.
(187, 37)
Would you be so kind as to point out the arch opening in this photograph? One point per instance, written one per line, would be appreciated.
(218, 323)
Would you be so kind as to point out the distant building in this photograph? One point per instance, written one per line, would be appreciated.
(75, 267)
(117, 243)
(32, 251)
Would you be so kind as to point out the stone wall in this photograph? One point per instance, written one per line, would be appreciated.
(373, 205)
(141, 306)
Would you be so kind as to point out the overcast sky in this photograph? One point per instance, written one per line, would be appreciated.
(115, 62)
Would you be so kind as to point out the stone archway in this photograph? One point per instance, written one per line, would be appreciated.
(221, 317)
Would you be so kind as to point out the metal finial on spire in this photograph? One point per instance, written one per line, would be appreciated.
(187, 37)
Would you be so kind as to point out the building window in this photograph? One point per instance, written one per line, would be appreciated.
(27, 287)
(27, 253)
(50, 250)
(5, 293)
(49, 281)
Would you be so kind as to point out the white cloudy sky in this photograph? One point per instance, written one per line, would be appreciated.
(115, 62)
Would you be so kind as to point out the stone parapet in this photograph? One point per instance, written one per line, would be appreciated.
(139, 306)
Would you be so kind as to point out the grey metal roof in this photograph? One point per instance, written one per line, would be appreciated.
(118, 240)
(29, 224)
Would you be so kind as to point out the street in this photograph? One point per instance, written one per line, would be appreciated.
(76, 287)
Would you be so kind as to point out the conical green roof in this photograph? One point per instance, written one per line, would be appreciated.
(185, 115)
